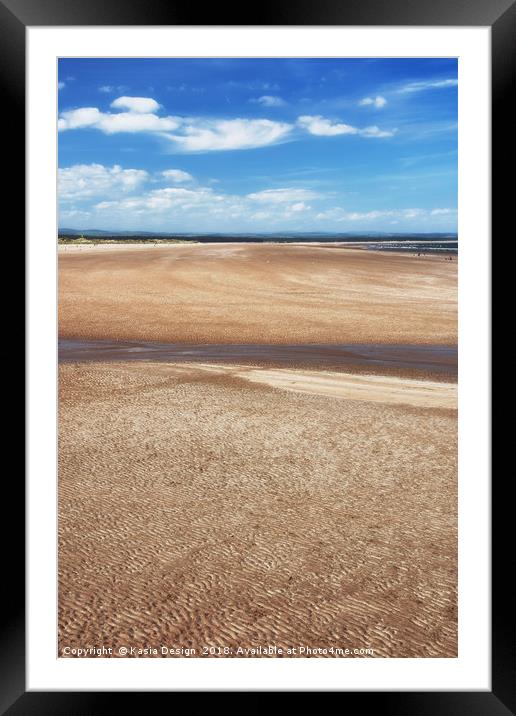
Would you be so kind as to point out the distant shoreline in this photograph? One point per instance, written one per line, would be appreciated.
(419, 245)
(83, 240)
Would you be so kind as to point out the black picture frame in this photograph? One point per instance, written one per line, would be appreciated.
(500, 16)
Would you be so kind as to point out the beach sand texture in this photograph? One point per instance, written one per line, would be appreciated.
(256, 293)
(241, 506)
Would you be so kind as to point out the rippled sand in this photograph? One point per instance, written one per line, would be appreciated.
(209, 504)
(198, 508)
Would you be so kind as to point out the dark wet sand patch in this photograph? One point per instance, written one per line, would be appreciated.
(420, 359)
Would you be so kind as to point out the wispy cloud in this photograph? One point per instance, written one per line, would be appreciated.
(202, 135)
(122, 195)
(419, 158)
(377, 102)
(322, 127)
(252, 85)
(177, 176)
(437, 212)
(163, 200)
(108, 89)
(109, 123)
(139, 105)
(125, 197)
(427, 85)
(268, 100)
(280, 196)
(83, 181)
(341, 215)
(375, 131)
(61, 85)
(422, 131)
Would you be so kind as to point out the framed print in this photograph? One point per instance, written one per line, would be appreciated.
(258, 262)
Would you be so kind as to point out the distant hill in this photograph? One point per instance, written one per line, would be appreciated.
(101, 232)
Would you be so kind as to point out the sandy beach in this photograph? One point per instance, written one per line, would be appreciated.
(256, 293)
(284, 499)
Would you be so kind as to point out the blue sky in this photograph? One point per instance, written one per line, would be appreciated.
(262, 145)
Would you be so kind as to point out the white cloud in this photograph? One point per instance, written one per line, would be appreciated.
(204, 206)
(212, 135)
(268, 100)
(83, 181)
(136, 122)
(113, 197)
(341, 215)
(200, 204)
(427, 84)
(438, 212)
(82, 213)
(116, 196)
(61, 85)
(186, 134)
(280, 196)
(377, 102)
(412, 213)
(375, 131)
(79, 118)
(193, 134)
(109, 123)
(321, 127)
(108, 89)
(139, 105)
(178, 176)
(171, 198)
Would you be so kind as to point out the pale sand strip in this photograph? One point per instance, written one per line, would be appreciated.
(368, 388)
(371, 388)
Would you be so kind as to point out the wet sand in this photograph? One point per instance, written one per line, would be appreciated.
(258, 492)
(401, 359)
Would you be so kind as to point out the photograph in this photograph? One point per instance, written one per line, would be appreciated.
(258, 368)
(258, 357)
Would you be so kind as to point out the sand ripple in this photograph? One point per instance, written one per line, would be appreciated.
(198, 508)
